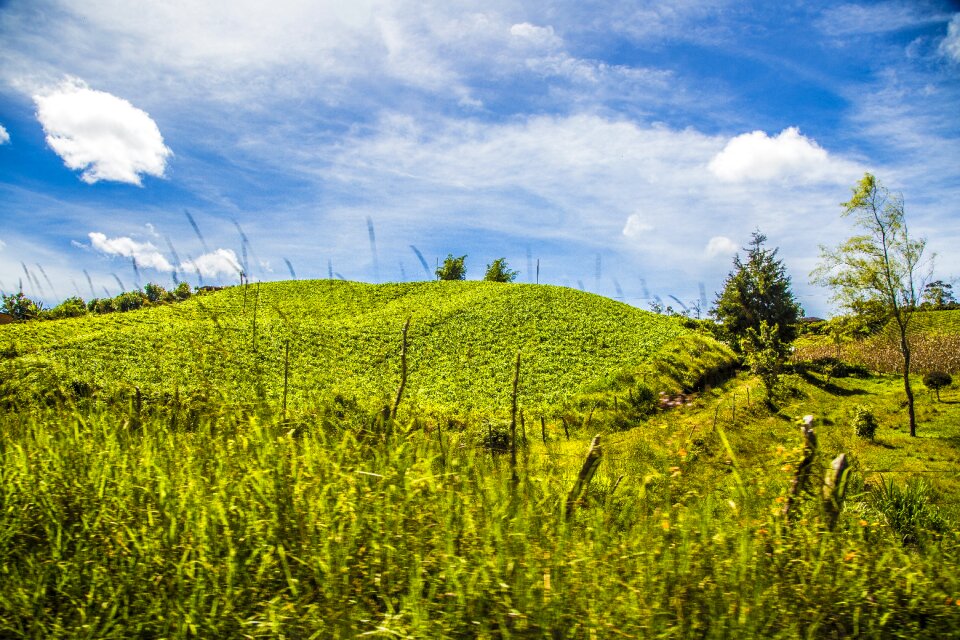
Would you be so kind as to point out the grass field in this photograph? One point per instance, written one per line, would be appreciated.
(119, 522)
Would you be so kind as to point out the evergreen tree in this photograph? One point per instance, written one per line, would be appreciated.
(758, 291)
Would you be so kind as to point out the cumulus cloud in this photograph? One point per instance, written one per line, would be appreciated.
(721, 246)
(950, 46)
(4, 136)
(145, 253)
(104, 136)
(213, 264)
(636, 226)
(789, 155)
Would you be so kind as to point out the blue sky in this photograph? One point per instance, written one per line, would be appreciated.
(630, 147)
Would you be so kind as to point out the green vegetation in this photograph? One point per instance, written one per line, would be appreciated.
(758, 313)
(882, 266)
(195, 506)
(499, 271)
(453, 268)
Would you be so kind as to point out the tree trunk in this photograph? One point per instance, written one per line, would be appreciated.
(905, 349)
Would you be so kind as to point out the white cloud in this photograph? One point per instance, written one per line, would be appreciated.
(2, 245)
(636, 226)
(213, 264)
(145, 253)
(4, 136)
(789, 156)
(104, 136)
(721, 246)
(879, 17)
(950, 46)
(538, 36)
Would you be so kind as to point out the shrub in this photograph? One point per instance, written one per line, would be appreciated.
(936, 380)
(70, 308)
(154, 292)
(864, 422)
(182, 292)
(908, 510)
(21, 307)
(130, 300)
(101, 305)
(453, 268)
(498, 271)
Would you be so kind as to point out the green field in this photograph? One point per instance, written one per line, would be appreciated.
(159, 518)
(341, 337)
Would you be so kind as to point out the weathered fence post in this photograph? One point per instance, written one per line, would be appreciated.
(543, 430)
(802, 476)
(403, 368)
(834, 489)
(513, 422)
(590, 464)
(286, 374)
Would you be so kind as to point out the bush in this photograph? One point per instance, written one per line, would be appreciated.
(864, 422)
(101, 305)
(453, 268)
(130, 300)
(937, 380)
(70, 308)
(21, 307)
(498, 271)
(182, 292)
(154, 292)
(908, 510)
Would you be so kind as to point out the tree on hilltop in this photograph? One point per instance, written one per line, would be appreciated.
(453, 268)
(499, 271)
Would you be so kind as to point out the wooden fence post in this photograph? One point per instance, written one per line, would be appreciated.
(403, 368)
(834, 489)
(589, 468)
(802, 475)
(513, 422)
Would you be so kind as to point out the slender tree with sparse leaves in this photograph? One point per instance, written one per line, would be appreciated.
(883, 265)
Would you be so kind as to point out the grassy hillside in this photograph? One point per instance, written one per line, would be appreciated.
(345, 338)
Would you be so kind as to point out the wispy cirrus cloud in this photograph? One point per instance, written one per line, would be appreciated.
(101, 135)
(4, 136)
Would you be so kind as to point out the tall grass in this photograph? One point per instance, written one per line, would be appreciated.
(238, 526)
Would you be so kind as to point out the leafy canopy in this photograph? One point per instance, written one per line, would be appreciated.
(453, 268)
(499, 271)
(757, 291)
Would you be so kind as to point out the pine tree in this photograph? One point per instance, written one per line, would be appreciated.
(758, 291)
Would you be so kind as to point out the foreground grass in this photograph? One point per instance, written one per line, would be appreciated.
(248, 526)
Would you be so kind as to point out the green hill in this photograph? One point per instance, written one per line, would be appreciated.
(345, 338)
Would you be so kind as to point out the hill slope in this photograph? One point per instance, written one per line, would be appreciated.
(345, 338)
